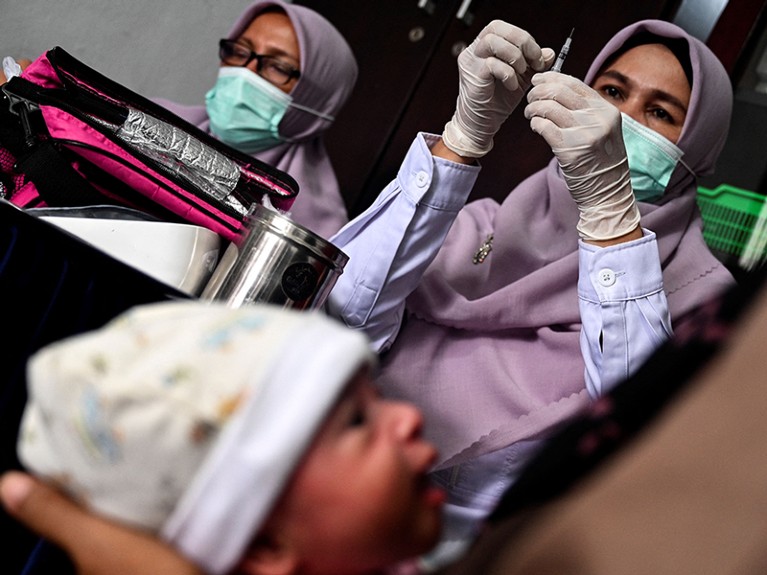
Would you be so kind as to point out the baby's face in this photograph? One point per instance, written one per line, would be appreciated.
(361, 498)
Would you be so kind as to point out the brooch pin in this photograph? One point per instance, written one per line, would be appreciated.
(484, 250)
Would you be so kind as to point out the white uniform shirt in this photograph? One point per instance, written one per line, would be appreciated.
(392, 243)
(624, 313)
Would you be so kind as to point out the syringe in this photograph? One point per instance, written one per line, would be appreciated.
(557, 67)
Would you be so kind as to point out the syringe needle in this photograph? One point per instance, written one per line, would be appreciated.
(557, 67)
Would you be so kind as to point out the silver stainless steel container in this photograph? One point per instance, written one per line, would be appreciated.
(276, 261)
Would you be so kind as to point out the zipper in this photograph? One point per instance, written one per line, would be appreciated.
(21, 107)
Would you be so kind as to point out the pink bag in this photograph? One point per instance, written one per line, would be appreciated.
(71, 137)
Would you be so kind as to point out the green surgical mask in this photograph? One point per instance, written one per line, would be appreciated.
(245, 110)
(652, 159)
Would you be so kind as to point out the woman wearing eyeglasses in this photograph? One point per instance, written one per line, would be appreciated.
(285, 74)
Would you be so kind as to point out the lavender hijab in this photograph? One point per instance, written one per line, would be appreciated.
(328, 75)
(491, 351)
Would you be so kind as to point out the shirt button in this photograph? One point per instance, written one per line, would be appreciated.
(422, 179)
(606, 277)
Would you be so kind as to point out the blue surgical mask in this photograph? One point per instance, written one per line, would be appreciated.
(652, 159)
(245, 110)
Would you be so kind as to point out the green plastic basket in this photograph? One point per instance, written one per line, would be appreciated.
(730, 216)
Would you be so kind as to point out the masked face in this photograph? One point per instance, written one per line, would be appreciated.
(648, 85)
(272, 34)
(245, 110)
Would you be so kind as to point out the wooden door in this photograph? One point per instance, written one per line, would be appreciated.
(393, 41)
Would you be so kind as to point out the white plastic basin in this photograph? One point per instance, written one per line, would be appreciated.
(181, 255)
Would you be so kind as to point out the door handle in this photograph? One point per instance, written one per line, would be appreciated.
(463, 14)
(427, 6)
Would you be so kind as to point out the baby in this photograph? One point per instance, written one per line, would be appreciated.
(251, 439)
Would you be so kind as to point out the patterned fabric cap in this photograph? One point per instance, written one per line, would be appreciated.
(186, 418)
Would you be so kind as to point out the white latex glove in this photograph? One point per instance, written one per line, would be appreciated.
(494, 72)
(584, 132)
(11, 68)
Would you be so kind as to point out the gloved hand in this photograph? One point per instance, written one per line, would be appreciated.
(584, 132)
(494, 72)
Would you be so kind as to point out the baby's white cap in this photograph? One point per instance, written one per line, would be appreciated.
(187, 418)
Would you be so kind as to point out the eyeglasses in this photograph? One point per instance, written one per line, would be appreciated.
(270, 68)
